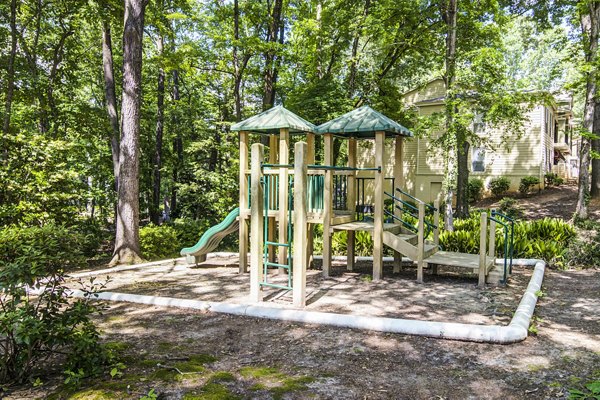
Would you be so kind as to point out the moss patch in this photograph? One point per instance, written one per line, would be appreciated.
(274, 381)
(221, 376)
(211, 391)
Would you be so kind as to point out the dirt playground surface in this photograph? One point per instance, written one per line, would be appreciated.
(249, 358)
(186, 354)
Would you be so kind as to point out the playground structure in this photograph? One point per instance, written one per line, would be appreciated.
(282, 196)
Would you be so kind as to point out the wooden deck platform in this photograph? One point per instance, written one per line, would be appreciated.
(366, 226)
(461, 260)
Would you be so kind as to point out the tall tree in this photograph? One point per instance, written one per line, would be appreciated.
(111, 97)
(127, 241)
(270, 71)
(449, 10)
(158, 149)
(590, 19)
(595, 178)
(10, 78)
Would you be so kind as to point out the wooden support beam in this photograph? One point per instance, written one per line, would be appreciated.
(482, 249)
(256, 223)
(327, 204)
(310, 159)
(243, 197)
(351, 202)
(273, 157)
(398, 183)
(284, 158)
(378, 212)
(421, 243)
(300, 225)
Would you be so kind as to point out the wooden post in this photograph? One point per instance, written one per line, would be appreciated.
(482, 250)
(351, 203)
(398, 182)
(378, 213)
(273, 147)
(256, 224)
(310, 159)
(284, 158)
(492, 241)
(421, 243)
(244, 210)
(327, 204)
(300, 225)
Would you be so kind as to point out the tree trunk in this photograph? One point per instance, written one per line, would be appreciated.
(449, 11)
(10, 79)
(462, 181)
(354, 56)
(270, 70)
(177, 147)
(595, 189)
(127, 242)
(589, 30)
(111, 98)
(160, 100)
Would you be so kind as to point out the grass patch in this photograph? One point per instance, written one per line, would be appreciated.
(211, 391)
(274, 381)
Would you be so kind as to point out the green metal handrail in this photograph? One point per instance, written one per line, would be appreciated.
(428, 206)
(512, 234)
(505, 229)
(338, 168)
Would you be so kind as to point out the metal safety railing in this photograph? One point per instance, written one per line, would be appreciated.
(505, 221)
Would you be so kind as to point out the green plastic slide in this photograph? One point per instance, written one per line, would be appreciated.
(212, 237)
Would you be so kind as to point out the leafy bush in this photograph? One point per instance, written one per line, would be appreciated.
(508, 206)
(475, 189)
(499, 185)
(546, 238)
(38, 316)
(585, 251)
(553, 179)
(527, 183)
(159, 241)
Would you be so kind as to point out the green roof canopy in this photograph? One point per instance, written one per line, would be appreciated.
(272, 120)
(363, 123)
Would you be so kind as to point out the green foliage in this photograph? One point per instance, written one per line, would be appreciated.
(38, 316)
(158, 242)
(585, 250)
(591, 391)
(475, 190)
(546, 238)
(508, 206)
(553, 179)
(527, 183)
(499, 186)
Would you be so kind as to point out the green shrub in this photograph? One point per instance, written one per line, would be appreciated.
(188, 231)
(463, 241)
(553, 179)
(475, 189)
(157, 242)
(34, 326)
(508, 206)
(499, 186)
(585, 251)
(527, 183)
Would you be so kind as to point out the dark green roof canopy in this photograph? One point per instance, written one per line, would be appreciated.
(363, 123)
(272, 120)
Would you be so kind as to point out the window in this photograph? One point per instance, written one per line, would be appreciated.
(478, 159)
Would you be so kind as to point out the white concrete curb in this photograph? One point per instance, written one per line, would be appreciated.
(514, 332)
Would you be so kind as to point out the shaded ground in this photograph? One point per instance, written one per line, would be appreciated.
(557, 202)
(187, 354)
(261, 359)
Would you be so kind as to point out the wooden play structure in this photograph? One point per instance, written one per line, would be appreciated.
(283, 194)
